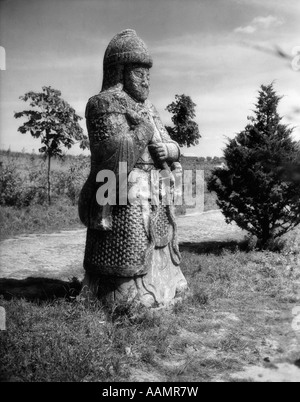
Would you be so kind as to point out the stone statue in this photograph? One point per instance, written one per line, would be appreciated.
(131, 250)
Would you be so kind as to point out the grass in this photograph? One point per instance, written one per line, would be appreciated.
(38, 218)
(61, 215)
(236, 304)
(210, 201)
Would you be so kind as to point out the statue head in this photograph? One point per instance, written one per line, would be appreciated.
(126, 63)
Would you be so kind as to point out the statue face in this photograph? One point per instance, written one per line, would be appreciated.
(136, 81)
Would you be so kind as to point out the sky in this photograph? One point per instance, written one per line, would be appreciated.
(207, 49)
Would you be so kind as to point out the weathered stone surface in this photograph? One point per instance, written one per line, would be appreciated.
(131, 250)
(2, 319)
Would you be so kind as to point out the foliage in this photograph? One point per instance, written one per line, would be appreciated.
(38, 218)
(54, 122)
(23, 178)
(17, 189)
(10, 182)
(291, 171)
(185, 130)
(72, 180)
(251, 190)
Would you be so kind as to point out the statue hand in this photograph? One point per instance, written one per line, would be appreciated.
(141, 123)
(134, 117)
(159, 151)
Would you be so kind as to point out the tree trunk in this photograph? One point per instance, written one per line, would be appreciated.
(48, 181)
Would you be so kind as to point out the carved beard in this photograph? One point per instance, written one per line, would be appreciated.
(135, 86)
(139, 93)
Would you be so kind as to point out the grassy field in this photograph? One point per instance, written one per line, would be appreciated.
(44, 219)
(237, 315)
(68, 177)
(38, 219)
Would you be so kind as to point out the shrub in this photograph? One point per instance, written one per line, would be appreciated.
(10, 185)
(76, 177)
(24, 184)
(70, 182)
(251, 190)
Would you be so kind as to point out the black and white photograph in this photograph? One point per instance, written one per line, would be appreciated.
(149, 194)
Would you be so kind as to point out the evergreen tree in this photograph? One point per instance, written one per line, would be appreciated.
(291, 171)
(185, 130)
(251, 190)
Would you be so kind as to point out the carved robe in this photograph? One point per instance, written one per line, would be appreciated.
(136, 241)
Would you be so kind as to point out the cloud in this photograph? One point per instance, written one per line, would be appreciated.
(249, 29)
(260, 23)
(267, 22)
(287, 8)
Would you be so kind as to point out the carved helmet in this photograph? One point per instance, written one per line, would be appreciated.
(124, 48)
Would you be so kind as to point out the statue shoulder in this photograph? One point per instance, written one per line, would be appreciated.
(154, 113)
(152, 109)
(107, 102)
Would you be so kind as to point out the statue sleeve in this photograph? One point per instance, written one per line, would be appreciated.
(115, 137)
(172, 146)
(173, 151)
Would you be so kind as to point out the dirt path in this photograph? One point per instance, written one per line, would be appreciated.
(60, 255)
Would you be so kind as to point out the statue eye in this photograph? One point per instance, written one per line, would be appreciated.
(139, 74)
